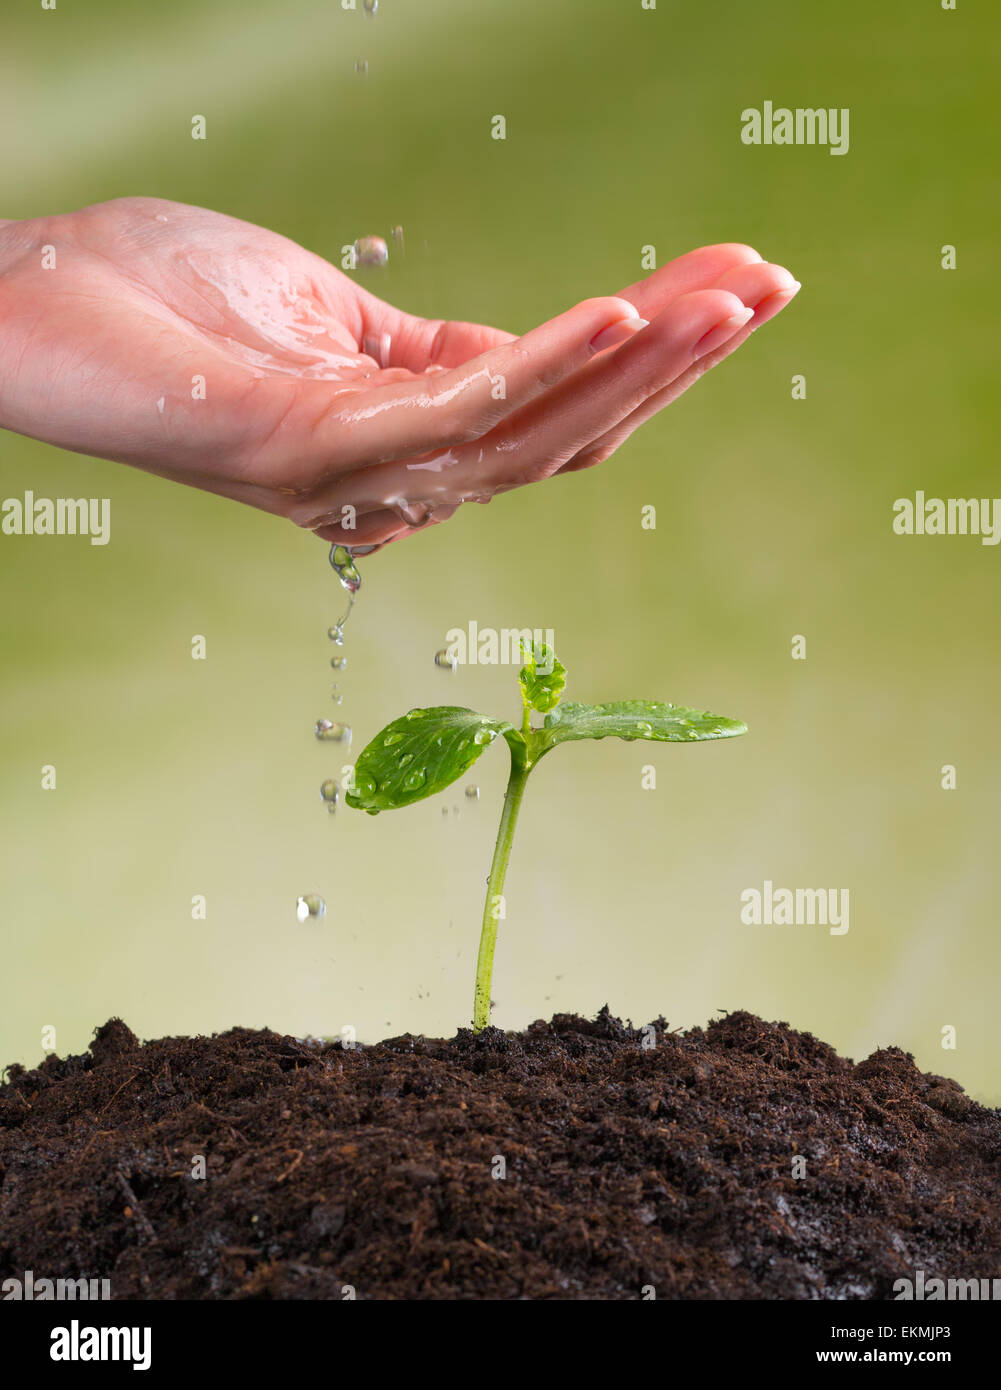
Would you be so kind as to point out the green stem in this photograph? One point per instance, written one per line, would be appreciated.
(495, 888)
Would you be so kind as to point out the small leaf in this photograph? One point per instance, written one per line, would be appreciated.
(420, 754)
(542, 677)
(634, 719)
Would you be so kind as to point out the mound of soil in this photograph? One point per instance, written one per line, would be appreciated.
(574, 1160)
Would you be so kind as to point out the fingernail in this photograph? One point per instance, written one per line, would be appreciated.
(617, 333)
(722, 333)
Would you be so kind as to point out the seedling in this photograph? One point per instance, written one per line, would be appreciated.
(427, 749)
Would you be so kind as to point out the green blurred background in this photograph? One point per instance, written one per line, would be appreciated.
(179, 777)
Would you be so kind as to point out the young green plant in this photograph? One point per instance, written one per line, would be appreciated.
(426, 750)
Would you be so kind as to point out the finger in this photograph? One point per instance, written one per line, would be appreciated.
(361, 427)
(768, 289)
(698, 270)
(543, 435)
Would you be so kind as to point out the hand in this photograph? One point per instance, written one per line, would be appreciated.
(221, 355)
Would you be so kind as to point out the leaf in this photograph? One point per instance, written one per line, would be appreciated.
(541, 689)
(420, 754)
(633, 719)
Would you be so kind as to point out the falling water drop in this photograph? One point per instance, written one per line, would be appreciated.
(371, 250)
(330, 793)
(310, 905)
(336, 733)
(472, 793)
(343, 565)
(338, 662)
(446, 659)
(371, 7)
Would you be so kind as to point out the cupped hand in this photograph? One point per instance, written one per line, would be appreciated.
(224, 356)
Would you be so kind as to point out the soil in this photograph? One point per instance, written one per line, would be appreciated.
(373, 1169)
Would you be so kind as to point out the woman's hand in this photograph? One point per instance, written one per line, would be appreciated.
(224, 356)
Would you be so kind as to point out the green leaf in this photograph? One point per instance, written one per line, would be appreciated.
(420, 754)
(633, 719)
(542, 677)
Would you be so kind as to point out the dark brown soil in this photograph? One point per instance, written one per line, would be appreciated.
(627, 1166)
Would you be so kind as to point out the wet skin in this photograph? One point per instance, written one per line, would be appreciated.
(318, 397)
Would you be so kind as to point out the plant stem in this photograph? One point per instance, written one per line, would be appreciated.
(495, 888)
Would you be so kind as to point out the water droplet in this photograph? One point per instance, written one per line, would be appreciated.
(310, 905)
(415, 779)
(371, 250)
(330, 791)
(336, 733)
(344, 567)
(472, 793)
(361, 65)
(445, 659)
(405, 759)
(371, 6)
(463, 743)
(415, 514)
(338, 662)
(397, 235)
(644, 728)
(336, 635)
(392, 738)
(365, 786)
(483, 736)
(413, 714)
